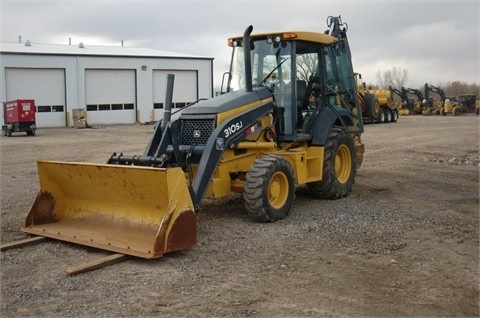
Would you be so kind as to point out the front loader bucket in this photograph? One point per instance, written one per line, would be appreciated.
(139, 211)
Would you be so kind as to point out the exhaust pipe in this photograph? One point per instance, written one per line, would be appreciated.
(152, 148)
(247, 58)
(167, 112)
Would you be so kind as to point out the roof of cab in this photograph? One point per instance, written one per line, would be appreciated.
(300, 36)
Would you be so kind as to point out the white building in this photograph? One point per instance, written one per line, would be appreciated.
(115, 85)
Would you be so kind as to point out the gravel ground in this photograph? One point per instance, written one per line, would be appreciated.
(404, 243)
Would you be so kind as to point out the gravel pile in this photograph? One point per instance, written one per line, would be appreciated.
(464, 160)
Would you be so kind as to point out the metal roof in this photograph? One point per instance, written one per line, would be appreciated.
(91, 50)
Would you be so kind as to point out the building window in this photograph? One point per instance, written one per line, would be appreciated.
(102, 107)
(44, 109)
(158, 106)
(57, 108)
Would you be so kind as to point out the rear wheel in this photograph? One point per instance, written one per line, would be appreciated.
(381, 116)
(394, 115)
(269, 189)
(388, 115)
(339, 167)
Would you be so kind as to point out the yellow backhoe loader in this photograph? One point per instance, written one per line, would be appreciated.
(267, 133)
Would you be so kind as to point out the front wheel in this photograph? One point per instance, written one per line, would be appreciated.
(339, 167)
(269, 189)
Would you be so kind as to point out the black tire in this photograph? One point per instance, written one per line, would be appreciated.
(373, 106)
(269, 189)
(381, 117)
(477, 110)
(456, 111)
(388, 115)
(4, 130)
(339, 167)
(394, 115)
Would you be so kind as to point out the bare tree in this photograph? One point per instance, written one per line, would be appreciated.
(395, 77)
(456, 88)
(306, 64)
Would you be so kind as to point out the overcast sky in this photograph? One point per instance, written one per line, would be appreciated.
(435, 41)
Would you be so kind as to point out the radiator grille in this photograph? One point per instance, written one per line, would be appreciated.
(196, 131)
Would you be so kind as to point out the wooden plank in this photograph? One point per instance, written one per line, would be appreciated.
(105, 261)
(21, 243)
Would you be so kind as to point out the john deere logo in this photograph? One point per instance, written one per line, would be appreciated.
(196, 134)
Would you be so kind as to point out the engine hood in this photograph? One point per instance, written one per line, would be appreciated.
(227, 101)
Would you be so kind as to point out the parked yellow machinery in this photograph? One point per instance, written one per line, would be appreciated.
(416, 100)
(433, 106)
(404, 106)
(465, 103)
(269, 132)
(377, 105)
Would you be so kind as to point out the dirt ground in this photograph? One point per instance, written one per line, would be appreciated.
(404, 243)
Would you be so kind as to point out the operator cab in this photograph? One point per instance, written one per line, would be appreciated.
(304, 71)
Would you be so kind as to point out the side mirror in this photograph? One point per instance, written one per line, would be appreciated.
(225, 84)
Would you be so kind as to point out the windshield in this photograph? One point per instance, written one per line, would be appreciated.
(271, 65)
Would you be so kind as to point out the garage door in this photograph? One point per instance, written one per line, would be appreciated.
(185, 89)
(46, 87)
(110, 96)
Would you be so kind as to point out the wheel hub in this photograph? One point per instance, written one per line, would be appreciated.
(343, 164)
(278, 190)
